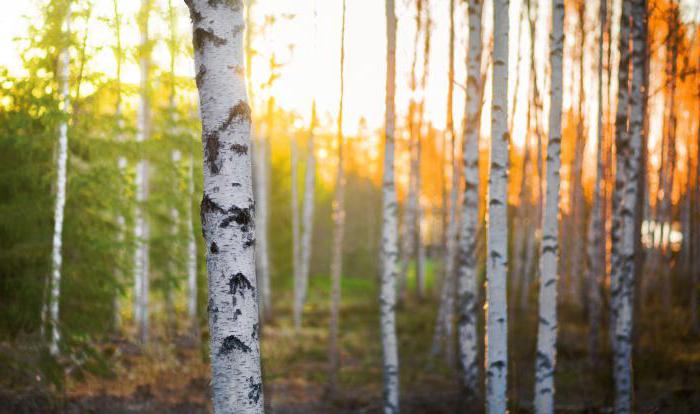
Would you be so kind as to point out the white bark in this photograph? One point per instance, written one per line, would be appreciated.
(339, 228)
(389, 248)
(467, 285)
(296, 259)
(261, 215)
(228, 206)
(307, 218)
(596, 230)
(546, 358)
(141, 225)
(61, 175)
(497, 250)
(629, 153)
(191, 256)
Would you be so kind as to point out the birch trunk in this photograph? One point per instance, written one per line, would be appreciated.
(307, 215)
(629, 153)
(260, 152)
(191, 256)
(61, 178)
(467, 285)
(546, 358)
(452, 229)
(296, 259)
(121, 165)
(339, 229)
(596, 229)
(497, 256)
(389, 249)
(141, 225)
(227, 206)
(621, 136)
(408, 248)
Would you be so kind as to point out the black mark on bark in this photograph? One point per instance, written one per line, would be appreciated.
(239, 149)
(238, 283)
(211, 151)
(232, 343)
(200, 75)
(238, 113)
(201, 35)
(241, 216)
(255, 390)
(214, 248)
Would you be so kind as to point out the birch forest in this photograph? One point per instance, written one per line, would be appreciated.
(350, 206)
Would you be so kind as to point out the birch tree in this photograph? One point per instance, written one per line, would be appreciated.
(141, 225)
(497, 248)
(546, 359)
(389, 248)
(408, 248)
(339, 227)
(61, 174)
(596, 230)
(629, 143)
(307, 219)
(307, 215)
(467, 284)
(228, 208)
(296, 259)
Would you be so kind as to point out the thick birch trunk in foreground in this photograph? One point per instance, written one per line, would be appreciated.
(389, 247)
(546, 359)
(141, 225)
(228, 208)
(61, 175)
(629, 153)
(497, 250)
(596, 230)
(467, 285)
(339, 229)
(307, 218)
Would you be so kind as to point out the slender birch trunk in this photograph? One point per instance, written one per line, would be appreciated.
(629, 154)
(596, 229)
(339, 229)
(260, 152)
(141, 225)
(227, 206)
(307, 217)
(389, 248)
(420, 265)
(497, 255)
(452, 229)
(408, 248)
(61, 181)
(191, 255)
(546, 359)
(121, 165)
(296, 248)
(467, 284)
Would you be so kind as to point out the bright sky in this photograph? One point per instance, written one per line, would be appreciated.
(312, 69)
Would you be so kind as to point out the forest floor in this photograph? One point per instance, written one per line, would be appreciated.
(171, 376)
